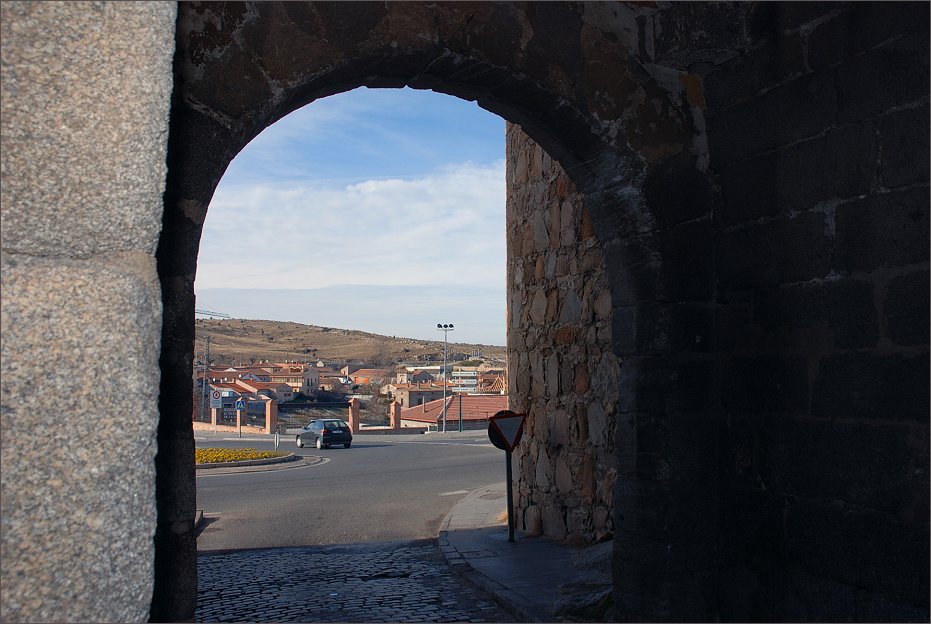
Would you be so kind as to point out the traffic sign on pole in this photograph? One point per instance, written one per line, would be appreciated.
(240, 404)
(505, 430)
(508, 427)
(216, 399)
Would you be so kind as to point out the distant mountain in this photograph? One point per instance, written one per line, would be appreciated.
(235, 341)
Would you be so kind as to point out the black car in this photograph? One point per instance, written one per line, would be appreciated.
(324, 433)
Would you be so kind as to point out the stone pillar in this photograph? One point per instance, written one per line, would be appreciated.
(85, 96)
(394, 417)
(354, 406)
(271, 416)
(213, 417)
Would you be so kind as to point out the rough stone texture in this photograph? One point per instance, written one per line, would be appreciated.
(544, 206)
(78, 437)
(823, 335)
(85, 91)
(101, 160)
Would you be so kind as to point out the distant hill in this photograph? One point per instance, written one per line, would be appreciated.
(235, 341)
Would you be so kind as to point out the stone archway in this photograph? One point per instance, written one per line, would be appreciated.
(623, 138)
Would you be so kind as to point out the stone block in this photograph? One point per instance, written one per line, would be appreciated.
(800, 108)
(872, 386)
(882, 230)
(670, 525)
(690, 29)
(859, 547)
(779, 252)
(687, 252)
(862, 26)
(887, 607)
(658, 385)
(634, 269)
(674, 328)
(675, 191)
(752, 524)
(554, 521)
(676, 448)
(867, 464)
(844, 309)
(97, 321)
(115, 60)
(907, 310)
(733, 324)
(743, 77)
(767, 19)
(765, 383)
(892, 75)
(597, 424)
(796, 178)
(624, 330)
(533, 520)
(815, 598)
(904, 140)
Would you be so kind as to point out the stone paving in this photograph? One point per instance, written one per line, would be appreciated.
(374, 582)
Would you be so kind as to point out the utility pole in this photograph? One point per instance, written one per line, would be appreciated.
(205, 385)
(445, 329)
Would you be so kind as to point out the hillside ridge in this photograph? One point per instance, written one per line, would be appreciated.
(244, 341)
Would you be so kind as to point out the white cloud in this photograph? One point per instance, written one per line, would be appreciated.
(444, 228)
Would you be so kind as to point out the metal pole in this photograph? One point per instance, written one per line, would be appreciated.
(445, 328)
(510, 498)
(445, 334)
(204, 385)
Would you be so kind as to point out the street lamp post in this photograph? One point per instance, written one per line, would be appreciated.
(445, 328)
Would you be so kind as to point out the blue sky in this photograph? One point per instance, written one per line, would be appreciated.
(376, 209)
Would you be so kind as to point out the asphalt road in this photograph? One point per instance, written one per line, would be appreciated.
(383, 488)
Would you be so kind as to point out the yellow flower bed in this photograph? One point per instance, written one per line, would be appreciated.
(218, 455)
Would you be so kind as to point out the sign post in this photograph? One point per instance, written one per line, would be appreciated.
(216, 402)
(505, 430)
(240, 409)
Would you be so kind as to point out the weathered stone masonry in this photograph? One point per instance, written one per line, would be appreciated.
(563, 371)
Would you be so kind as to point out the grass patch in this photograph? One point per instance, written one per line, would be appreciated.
(220, 455)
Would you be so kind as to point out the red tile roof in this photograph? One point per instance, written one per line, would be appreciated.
(474, 407)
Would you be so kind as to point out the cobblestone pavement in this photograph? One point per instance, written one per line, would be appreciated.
(375, 582)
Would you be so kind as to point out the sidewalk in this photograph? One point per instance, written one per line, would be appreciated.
(536, 578)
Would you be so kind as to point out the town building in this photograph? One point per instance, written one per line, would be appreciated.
(474, 410)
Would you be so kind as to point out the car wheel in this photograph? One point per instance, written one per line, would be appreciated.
(299, 442)
(319, 443)
(347, 445)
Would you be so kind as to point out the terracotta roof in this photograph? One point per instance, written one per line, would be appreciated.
(263, 385)
(474, 407)
(220, 385)
(367, 372)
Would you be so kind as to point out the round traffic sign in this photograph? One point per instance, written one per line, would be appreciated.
(216, 394)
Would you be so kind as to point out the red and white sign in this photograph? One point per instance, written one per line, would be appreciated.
(509, 428)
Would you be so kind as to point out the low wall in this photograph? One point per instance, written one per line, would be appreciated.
(203, 426)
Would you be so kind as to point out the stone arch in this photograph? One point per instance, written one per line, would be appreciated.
(625, 139)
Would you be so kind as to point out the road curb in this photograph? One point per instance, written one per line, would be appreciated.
(510, 601)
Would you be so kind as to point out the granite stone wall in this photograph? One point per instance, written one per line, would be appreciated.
(562, 371)
(85, 93)
(818, 136)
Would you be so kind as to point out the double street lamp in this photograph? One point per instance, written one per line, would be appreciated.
(445, 328)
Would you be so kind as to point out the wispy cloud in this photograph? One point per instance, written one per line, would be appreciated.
(441, 229)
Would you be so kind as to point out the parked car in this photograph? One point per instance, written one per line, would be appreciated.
(324, 433)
